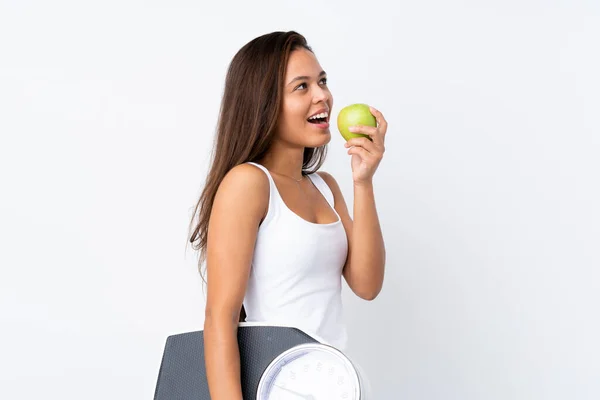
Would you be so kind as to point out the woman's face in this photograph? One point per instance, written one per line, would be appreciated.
(305, 94)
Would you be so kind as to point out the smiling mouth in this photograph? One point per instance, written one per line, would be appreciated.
(320, 118)
(317, 121)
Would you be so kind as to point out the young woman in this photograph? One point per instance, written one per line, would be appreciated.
(276, 234)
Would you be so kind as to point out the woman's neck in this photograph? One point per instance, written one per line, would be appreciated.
(285, 161)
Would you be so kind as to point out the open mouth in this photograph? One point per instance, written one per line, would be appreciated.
(319, 118)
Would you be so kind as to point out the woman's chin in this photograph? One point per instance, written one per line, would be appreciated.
(320, 139)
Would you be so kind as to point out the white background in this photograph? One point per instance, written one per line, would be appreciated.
(488, 192)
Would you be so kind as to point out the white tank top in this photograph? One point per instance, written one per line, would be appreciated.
(296, 274)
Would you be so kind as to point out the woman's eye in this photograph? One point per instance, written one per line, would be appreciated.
(303, 84)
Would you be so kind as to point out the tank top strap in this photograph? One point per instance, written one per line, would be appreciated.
(265, 170)
(273, 193)
(323, 188)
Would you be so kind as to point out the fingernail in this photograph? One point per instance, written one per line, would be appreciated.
(352, 129)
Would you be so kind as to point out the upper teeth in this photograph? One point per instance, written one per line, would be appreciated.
(322, 115)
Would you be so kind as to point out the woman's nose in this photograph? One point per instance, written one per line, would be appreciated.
(320, 94)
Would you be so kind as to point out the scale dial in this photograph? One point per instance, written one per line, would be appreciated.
(311, 371)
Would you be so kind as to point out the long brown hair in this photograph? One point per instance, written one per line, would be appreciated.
(248, 119)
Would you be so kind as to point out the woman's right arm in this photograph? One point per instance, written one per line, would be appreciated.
(240, 204)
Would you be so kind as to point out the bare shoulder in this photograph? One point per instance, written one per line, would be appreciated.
(245, 187)
(246, 175)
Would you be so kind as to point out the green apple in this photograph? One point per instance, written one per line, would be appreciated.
(354, 114)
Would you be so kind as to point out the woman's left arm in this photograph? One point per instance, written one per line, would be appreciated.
(365, 265)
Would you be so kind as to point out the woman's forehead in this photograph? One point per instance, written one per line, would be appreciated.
(302, 62)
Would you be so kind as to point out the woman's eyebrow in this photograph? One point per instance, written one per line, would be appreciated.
(305, 77)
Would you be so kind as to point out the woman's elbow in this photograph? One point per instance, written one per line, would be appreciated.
(220, 318)
(368, 294)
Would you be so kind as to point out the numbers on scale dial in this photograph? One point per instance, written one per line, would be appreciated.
(301, 376)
